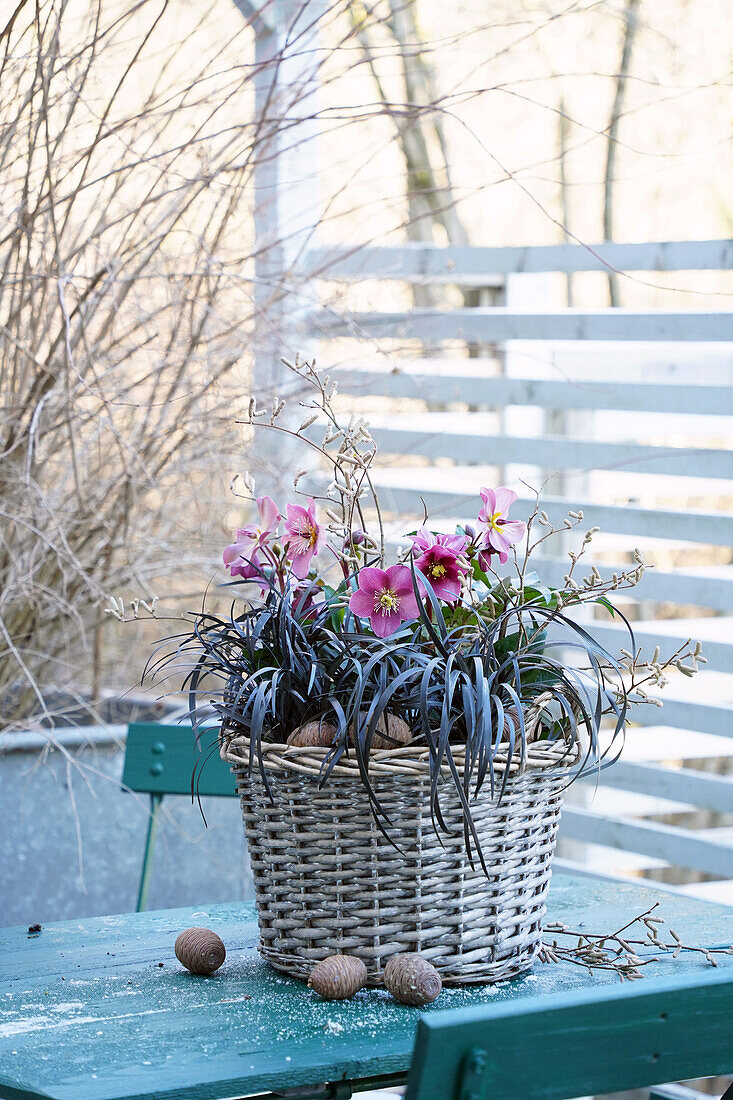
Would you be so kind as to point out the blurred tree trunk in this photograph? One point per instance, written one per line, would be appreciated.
(631, 23)
(563, 139)
(431, 201)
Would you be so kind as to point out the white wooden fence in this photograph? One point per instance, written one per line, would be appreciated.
(629, 407)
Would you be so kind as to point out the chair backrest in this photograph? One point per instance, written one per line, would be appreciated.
(162, 759)
(577, 1044)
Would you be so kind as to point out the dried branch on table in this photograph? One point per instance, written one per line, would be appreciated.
(619, 951)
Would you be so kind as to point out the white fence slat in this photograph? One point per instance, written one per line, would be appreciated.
(679, 588)
(683, 715)
(679, 785)
(497, 324)
(708, 528)
(685, 525)
(414, 262)
(719, 654)
(434, 434)
(579, 343)
(498, 391)
(677, 846)
(571, 867)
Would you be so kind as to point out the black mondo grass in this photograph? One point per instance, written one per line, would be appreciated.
(267, 669)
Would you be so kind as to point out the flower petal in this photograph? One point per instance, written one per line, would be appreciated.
(503, 499)
(455, 543)
(513, 530)
(371, 579)
(447, 588)
(497, 541)
(297, 521)
(399, 580)
(384, 625)
(248, 532)
(269, 514)
(248, 567)
(362, 603)
(423, 540)
(232, 552)
(301, 563)
(488, 496)
(409, 608)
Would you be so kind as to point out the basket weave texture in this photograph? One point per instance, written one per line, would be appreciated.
(327, 880)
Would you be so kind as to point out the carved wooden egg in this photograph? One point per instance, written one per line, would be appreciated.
(532, 727)
(390, 729)
(511, 725)
(412, 980)
(200, 950)
(338, 977)
(318, 733)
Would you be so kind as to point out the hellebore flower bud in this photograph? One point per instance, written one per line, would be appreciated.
(354, 538)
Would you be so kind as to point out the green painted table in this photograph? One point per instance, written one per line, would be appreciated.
(100, 1009)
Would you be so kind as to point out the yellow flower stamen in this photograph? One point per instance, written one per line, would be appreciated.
(437, 570)
(386, 601)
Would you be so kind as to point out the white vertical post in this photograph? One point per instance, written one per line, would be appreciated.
(286, 207)
(286, 182)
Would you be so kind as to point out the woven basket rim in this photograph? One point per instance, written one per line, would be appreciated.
(407, 760)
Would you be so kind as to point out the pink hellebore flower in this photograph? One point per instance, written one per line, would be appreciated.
(436, 556)
(386, 597)
(425, 539)
(303, 538)
(499, 533)
(242, 558)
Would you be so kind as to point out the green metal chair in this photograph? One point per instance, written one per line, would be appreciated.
(584, 1043)
(160, 760)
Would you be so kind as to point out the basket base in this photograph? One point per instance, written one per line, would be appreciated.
(483, 974)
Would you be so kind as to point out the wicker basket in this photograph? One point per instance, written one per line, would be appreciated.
(327, 881)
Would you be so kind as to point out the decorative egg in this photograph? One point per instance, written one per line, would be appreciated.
(200, 950)
(532, 727)
(511, 725)
(412, 980)
(390, 729)
(317, 733)
(338, 977)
